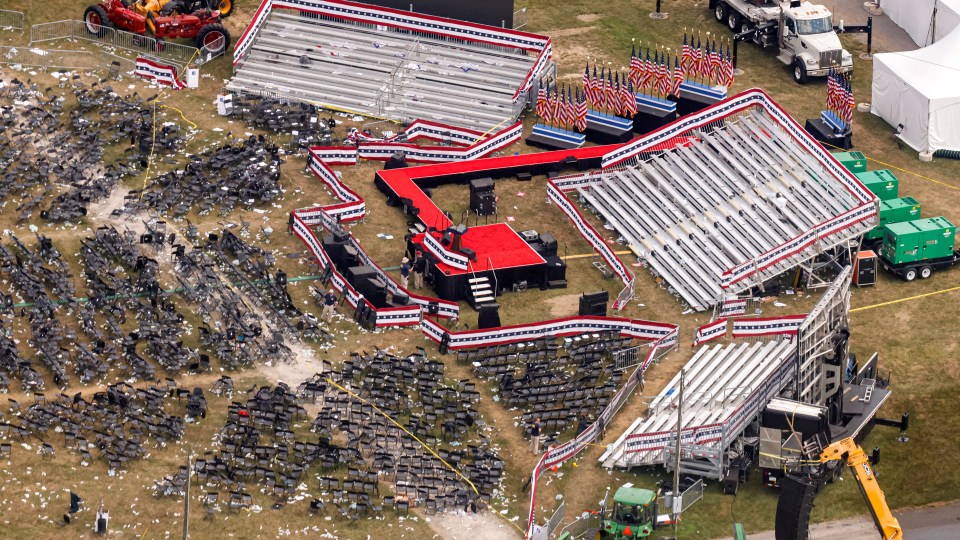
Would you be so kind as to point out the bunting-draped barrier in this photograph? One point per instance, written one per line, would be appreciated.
(384, 150)
(449, 258)
(556, 188)
(394, 18)
(767, 326)
(435, 131)
(335, 155)
(664, 334)
(352, 208)
(162, 74)
(557, 455)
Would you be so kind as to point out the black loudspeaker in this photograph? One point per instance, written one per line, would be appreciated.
(793, 508)
(549, 243)
(489, 316)
(401, 299)
(340, 236)
(594, 303)
(484, 204)
(556, 268)
(481, 185)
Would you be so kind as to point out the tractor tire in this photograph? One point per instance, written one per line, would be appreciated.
(800, 72)
(225, 7)
(214, 38)
(96, 21)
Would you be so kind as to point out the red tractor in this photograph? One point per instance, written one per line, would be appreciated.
(139, 16)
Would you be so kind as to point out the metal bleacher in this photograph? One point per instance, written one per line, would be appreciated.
(719, 381)
(736, 192)
(380, 72)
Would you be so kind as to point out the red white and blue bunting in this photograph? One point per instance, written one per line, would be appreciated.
(449, 258)
(710, 332)
(664, 334)
(767, 326)
(733, 307)
(162, 74)
(382, 151)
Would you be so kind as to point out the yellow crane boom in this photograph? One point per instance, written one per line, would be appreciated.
(849, 451)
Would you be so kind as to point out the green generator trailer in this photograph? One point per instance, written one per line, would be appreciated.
(883, 183)
(918, 247)
(892, 211)
(852, 161)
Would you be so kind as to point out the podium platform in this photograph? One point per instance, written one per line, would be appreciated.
(553, 138)
(608, 129)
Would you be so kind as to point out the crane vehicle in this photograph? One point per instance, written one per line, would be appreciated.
(848, 452)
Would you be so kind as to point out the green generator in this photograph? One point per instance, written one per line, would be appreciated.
(918, 240)
(894, 211)
(852, 161)
(883, 183)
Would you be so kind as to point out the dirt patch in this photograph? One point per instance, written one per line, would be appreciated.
(588, 17)
(481, 526)
(566, 32)
(562, 306)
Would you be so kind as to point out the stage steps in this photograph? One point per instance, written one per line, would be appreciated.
(480, 291)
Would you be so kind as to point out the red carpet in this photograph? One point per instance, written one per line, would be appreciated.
(496, 244)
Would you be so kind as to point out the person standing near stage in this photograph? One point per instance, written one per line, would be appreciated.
(419, 267)
(329, 303)
(404, 272)
(535, 431)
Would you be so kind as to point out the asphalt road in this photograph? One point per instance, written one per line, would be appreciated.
(927, 523)
(887, 36)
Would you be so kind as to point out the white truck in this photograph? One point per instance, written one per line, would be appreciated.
(804, 33)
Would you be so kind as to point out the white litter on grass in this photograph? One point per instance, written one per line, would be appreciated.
(779, 304)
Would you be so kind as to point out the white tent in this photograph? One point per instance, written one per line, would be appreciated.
(921, 90)
(917, 18)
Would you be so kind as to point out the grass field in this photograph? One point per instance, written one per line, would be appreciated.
(916, 339)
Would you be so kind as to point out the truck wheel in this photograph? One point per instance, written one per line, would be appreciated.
(926, 272)
(96, 21)
(800, 72)
(910, 274)
(214, 38)
(720, 12)
(733, 21)
(745, 26)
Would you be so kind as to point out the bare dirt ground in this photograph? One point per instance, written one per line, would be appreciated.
(562, 306)
(481, 526)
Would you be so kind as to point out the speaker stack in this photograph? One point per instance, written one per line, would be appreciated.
(483, 200)
(489, 316)
(793, 508)
(594, 303)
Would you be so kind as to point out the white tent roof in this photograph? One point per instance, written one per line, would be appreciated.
(915, 17)
(921, 90)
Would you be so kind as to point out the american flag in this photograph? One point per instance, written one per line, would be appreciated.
(635, 66)
(728, 69)
(646, 73)
(610, 93)
(677, 76)
(543, 103)
(664, 76)
(594, 96)
(849, 103)
(716, 58)
(629, 100)
(557, 105)
(571, 107)
(586, 80)
(581, 121)
(687, 55)
(696, 56)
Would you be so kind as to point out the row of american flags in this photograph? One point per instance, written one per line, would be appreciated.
(566, 105)
(704, 60)
(840, 95)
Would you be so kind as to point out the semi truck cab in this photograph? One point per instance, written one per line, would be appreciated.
(809, 44)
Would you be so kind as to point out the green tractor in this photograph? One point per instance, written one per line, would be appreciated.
(633, 515)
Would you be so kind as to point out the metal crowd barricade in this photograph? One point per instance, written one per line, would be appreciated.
(12, 20)
(166, 51)
(34, 57)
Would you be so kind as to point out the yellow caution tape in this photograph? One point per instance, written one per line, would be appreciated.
(907, 299)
